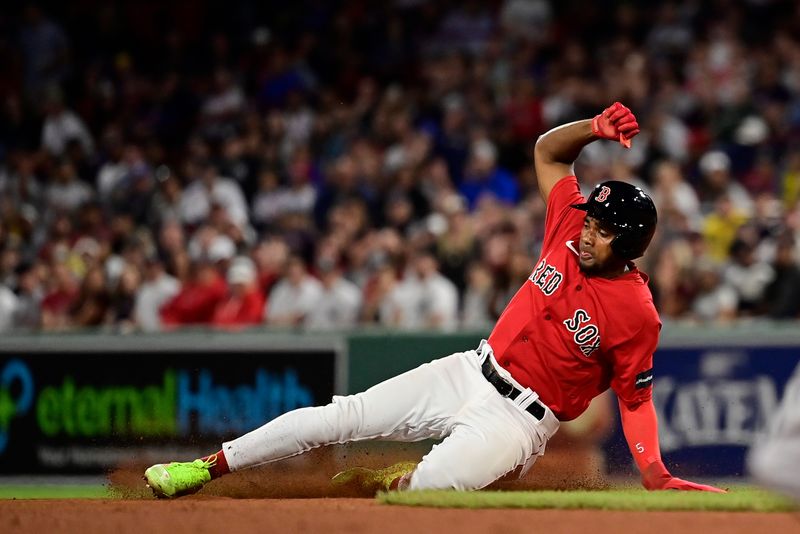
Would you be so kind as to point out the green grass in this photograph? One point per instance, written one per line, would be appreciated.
(54, 491)
(737, 499)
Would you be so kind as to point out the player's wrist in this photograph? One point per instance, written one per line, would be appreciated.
(655, 475)
(596, 131)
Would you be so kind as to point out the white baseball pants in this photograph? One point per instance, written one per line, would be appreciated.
(485, 434)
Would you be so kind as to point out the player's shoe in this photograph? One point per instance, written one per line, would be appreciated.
(373, 480)
(178, 478)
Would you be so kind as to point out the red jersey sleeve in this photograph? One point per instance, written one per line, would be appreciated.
(562, 221)
(632, 361)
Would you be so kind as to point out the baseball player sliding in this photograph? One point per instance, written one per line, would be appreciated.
(584, 321)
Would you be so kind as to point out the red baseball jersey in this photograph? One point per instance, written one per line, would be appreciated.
(568, 335)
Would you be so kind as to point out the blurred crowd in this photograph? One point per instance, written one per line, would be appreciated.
(332, 164)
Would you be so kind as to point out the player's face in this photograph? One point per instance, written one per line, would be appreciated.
(596, 255)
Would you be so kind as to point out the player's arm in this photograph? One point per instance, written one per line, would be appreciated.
(632, 381)
(556, 151)
(640, 425)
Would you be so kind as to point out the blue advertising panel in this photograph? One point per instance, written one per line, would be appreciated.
(711, 403)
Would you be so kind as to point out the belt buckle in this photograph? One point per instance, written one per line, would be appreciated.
(509, 387)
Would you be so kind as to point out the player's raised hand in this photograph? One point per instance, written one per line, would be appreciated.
(617, 123)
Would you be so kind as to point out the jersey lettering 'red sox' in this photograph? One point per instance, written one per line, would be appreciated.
(569, 336)
(587, 336)
(546, 278)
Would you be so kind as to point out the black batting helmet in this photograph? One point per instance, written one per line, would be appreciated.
(628, 212)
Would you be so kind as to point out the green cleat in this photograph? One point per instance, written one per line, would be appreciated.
(373, 480)
(178, 478)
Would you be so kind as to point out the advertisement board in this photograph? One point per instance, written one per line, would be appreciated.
(88, 411)
(712, 403)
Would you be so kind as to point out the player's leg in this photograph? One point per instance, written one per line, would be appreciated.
(413, 406)
(490, 438)
(774, 460)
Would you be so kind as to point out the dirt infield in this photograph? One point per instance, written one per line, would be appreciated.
(296, 496)
(353, 516)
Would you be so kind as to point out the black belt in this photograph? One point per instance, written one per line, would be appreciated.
(507, 389)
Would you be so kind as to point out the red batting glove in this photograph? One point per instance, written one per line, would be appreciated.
(617, 123)
(680, 484)
(656, 477)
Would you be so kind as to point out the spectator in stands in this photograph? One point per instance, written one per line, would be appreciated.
(244, 303)
(61, 294)
(208, 188)
(762, 177)
(300, 195)
(716, 302)
(453, 140)
(93, 301)
(747, 275)
(294, 296)
(674, 197)
(670, 135)
(10, 258)
(720, 227)
(123, 299)
(717, 182)
(477, 299)
(781, 299)
(157, 288)
(339, 303)
(210, 244)
(67, 192)
(341, 184)
(270, 256)
(132, 193)
(165, 204)
(425, 299)
(8, 307)
(30, 292)
(222, 107)
(171, 238)
(22, 186)
(668, 277)
(789, 186)
(376, 305)
(240, 160)
(298, 120)
(457, 245)
(62, 125)
(399, 212)
(483, 176)
(268, 205)
(114, 168)
(198, 298)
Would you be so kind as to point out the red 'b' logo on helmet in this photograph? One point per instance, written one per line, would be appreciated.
(603, 194)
